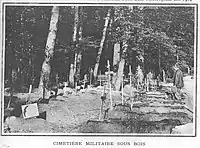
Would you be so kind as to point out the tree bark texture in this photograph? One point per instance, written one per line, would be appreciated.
(101, 44)
(121, 67)
(49, 49)
(74, 39)
(79, 52)
(116, 55)
(159, 60)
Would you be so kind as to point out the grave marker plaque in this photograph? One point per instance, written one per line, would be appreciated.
(30, 110)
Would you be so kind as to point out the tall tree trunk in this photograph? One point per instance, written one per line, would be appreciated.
(13, 84)
(101, 44)
(116, 55)
(49, 49)
(74, 39)
(79, 52)
(79, 58)
(30, 63)
(120, 71)
(159, 61)
(32, 72)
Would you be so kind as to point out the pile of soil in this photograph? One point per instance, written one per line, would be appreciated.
(150, 118)
(63, 114)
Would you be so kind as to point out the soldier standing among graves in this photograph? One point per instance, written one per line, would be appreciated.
(149, 79)
(177, 81)
(150, 76)
(140, 76)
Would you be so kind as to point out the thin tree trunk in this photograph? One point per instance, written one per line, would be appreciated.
(14, 79)
(79, 52)
(159, 61)
(116, 55)
(30, 71)
(120, 71)
(101, 44)
(49, 49)
(79, 57)
(74, 39)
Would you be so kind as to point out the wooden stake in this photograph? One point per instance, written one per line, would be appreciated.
(65, 83)
(188, 69)
(101, 108)
(76, 86)
(43, 92)
(29, 93)
(65, 89)
(111, 106)
(90, 76)
(84, 84)
(30, 89)
(164, 76)
(84, 80)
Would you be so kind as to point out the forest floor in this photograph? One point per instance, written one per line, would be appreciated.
(79, 113)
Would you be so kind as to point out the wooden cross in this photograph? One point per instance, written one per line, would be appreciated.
(84, 81)
(130, 75)
(123, 89)
(131, 95)
(76, 86)
(91, 71)
(164, 76)
(188, 70)
(29, 92)
(154, 85)
(30, 89)
(147, 84)
(109, 83)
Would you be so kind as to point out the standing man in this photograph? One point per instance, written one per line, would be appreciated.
(177, 81)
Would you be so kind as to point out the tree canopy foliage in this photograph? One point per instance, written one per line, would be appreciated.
(150, 31)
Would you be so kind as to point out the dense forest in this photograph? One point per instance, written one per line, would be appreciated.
(45, 44)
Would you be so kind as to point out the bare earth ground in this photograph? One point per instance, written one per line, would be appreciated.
(80, 113)
(190, 90)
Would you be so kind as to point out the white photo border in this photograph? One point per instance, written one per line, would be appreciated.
(4, 4)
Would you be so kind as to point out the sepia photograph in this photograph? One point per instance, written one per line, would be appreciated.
(99, 69)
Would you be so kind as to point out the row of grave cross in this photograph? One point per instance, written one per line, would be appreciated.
(31, 110)
(109, 73)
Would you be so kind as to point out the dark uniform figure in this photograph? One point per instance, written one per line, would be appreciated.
(177, 81)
